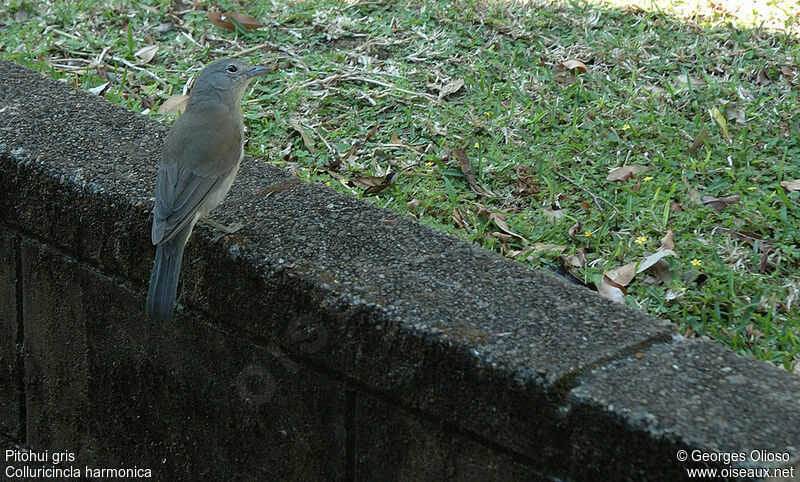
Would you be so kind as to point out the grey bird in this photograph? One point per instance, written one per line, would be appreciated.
(199, 161)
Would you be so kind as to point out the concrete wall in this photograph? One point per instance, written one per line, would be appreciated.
(327, 339)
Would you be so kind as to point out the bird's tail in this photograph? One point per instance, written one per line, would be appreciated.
(164, 279)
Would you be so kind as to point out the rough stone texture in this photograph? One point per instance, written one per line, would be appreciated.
(364, 304)
(183, 399)
(691, 395)
(10, 369)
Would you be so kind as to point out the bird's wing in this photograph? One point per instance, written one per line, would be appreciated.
(191, 171)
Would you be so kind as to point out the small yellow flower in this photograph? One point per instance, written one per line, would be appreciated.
(344, 183)
(626, 127)
(697, 263)
(429, 164)
(477, 145)
(648, 178)
(752, 188)
(641, 240)
(587, 233)
(328, 183)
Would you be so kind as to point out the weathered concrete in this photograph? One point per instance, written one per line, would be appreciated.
(11, 414)
(352, 311)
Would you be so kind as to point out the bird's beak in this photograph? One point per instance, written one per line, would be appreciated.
(259, 70)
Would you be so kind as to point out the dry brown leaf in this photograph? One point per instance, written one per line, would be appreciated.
(791, 185)
(503, 237)
(660, 272)
(375, 184)
(574, 229)
(458, 218)
(307, 141)
(762, 78)
(577, 260)
(450, 88)
(223, 20)
(500, 222)
(702, 138)
(624, 274)
(174, 105)
(748, 237)
(395, 138)
(146, 54)
(371, 133)
(786, 71)
(623, 173)
(574, 64)
(675, 207)
(668, 241)
(554, 215)
(611, 290)
(754, 332)
(719, 203)
(526, 181)
(466, 169)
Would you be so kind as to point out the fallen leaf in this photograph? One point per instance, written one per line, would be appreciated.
(450, 88)
(226, 20)
(503, 237)
(376, 184)
(624, 274)
(146, 54)
(675, 207)
(574, 64)
(791, 185)
(719, 203)
(395, 138)
(174, 104)
(623, 173)
(574, 229)
(458, 218)
(526, 181)
(371, 133)
(654, 258)
(611, 290)
(736, 114)
(466, 169)
(786, 71)
(668, 241)
(554, 215)
(577, 260)
(762, 78)
(749, 237)
(686, 80)
(717, 116)
(309, 143)
(660, 272)
(500, 222)
(99, 89)
(754, 332)
(539, 247)
(702, 138)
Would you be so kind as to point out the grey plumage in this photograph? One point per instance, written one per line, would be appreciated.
(199, 162)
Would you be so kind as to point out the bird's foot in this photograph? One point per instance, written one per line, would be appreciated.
(222, 228)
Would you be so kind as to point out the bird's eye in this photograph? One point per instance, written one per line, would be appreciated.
(232, 69)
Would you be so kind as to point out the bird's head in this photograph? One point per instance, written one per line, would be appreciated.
(228, 77)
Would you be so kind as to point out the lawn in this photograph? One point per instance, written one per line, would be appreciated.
(648, 150)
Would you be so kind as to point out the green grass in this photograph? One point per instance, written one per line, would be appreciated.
(538, 138)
